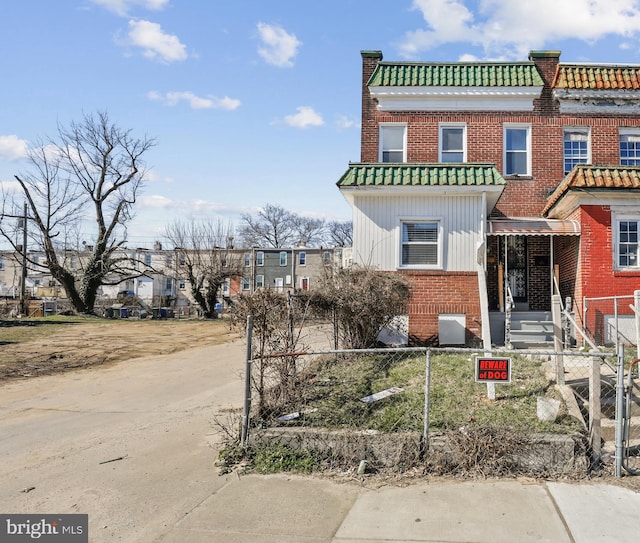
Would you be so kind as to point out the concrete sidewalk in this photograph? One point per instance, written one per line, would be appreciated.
(293, 509)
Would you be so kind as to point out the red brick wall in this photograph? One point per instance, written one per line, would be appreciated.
(589, 257)
(434, 293)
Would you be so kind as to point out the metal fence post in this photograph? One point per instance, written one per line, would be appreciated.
(595, 416)
(247, 385)
(636, 312)
(556, 310)
(620, 412)
(427, 393)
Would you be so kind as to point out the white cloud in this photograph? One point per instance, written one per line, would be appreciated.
(278, 46)
(12, 147)
(305, 117)
(155, 43)
(155, 201)
(122, 7)
(194, 101)
(505, 28)
(344, 123)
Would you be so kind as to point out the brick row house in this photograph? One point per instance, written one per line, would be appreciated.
(495, 185)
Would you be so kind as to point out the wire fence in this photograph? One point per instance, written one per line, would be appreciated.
(444, 410)
(611, 320)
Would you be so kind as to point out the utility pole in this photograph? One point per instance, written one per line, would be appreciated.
(23, 285)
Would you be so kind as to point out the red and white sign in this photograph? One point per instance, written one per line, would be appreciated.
(493, 370)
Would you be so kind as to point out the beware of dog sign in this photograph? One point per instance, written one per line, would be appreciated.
(493, 370)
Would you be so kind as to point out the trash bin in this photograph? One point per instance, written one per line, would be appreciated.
(124, 313)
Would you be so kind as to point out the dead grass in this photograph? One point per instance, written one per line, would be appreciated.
(32, 347)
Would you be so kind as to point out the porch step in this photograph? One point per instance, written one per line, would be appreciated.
(529, 330)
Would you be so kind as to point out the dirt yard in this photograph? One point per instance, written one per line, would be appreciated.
(41, 347)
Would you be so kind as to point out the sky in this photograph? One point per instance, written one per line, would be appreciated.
(255, 102)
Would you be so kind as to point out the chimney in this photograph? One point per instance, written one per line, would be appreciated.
(547, 65)
(370, 60)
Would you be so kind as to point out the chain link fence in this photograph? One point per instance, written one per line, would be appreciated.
(429, 409)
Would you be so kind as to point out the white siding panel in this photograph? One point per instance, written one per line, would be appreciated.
(376, 222)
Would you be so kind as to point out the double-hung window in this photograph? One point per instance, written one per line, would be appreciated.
(630, 147)
(575, 147)
(283, 258)
(302, 258)
(420, 244)
(259, 258)
(627, 242)
(259, 281)
(452, 143)
(393, 143)
(517, 149)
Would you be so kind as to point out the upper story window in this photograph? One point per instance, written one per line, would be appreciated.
(517, 149)
(575, 147)
(259, 281)
(630, 147)
(1, 262)
(302, 258)
(326, 256)
(283, 258)
(245, 283)
(147, 259)
(247, 260)
(626, 245)
(393, 143)
(452, 143)
(259, 258)
(420, 244)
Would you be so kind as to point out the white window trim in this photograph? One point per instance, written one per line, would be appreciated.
(626, 131)
(616, 219)
(583, 130)
(260, 258)
(516, 126)
(286, 259)
(302, 261)
(442, 126)
(381, 126)
(260, 281)
(440, 243)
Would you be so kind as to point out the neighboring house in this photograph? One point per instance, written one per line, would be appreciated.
(490, 183)
(287, 269)
(161, 283)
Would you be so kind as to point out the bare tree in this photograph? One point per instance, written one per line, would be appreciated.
(310, 232)
(274, 226)
(91, 175)
(205, 258)
(340, 234)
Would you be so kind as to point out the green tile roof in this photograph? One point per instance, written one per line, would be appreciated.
(493, 74)
(420, 175)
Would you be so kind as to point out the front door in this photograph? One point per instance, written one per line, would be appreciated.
(514, 259)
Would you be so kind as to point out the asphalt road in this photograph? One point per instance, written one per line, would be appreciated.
(132, 445)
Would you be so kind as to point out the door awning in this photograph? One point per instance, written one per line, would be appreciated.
(533, 227)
